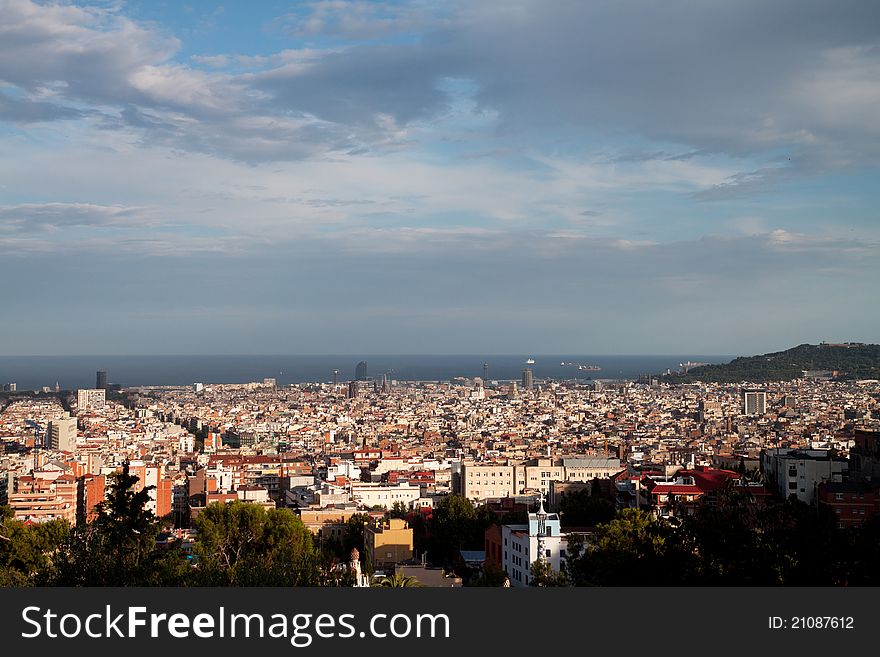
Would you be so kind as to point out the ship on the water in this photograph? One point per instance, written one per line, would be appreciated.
(582, 367)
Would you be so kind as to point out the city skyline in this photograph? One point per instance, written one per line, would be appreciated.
(446, 178)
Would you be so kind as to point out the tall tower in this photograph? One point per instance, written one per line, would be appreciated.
(360, 371)
(528, 379)
(485, 373)
(541, 517)
(100, 380)
(335, 377)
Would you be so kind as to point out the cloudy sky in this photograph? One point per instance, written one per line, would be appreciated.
(520, 176)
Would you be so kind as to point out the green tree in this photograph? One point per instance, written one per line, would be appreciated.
(354, 533)
(457, 525)
(542, 574)
(397, 581)
(398, 510)
(452, 528)
(492, 574)
(119, 547)
(583, 509)
(27, 552)
(630, 550)
(241, 544)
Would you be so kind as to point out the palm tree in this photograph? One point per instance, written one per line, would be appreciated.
(397, 580)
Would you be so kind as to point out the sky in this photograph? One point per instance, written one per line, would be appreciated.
(520, 176)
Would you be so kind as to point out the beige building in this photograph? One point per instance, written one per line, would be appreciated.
(327, 523)
(62, 434)
(483, 481)
(537, 474)
(388, 541)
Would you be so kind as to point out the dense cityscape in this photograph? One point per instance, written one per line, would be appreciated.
(371, 481)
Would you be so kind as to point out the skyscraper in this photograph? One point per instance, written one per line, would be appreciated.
(528, 379)
(101, 380)
(360, 372)
(485, 373)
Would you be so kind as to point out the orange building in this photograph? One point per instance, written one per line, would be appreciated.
(41, 500)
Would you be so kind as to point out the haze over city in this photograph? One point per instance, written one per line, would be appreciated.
(419, 177)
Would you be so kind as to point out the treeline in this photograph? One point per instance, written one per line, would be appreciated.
(858, 362)
(728, 541)
(238, 545)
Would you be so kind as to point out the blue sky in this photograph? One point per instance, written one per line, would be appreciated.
(430, 177)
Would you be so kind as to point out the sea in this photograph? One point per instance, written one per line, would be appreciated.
(72, 372)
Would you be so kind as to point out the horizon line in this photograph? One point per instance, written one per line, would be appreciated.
(356, 355)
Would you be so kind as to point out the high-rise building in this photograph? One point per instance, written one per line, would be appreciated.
(61, 434)
(486, 372)
(528, 379)
(754, 402)
(90, 399)
(101, 380)
(10, 387)
(360, 371)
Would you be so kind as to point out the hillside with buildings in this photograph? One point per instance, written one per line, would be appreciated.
(848, 360)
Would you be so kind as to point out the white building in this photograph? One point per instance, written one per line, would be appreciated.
(370, 495)
(187, 443)
(799, 472)
(520, 544)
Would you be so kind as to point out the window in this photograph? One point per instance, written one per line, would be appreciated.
(548, 554)
(562, 554)
(838, 496)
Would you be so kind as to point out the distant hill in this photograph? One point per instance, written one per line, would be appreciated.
(851, 360)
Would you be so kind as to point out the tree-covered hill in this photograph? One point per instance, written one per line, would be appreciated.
(855, 361)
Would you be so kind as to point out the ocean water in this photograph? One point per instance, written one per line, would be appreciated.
(70, 372)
